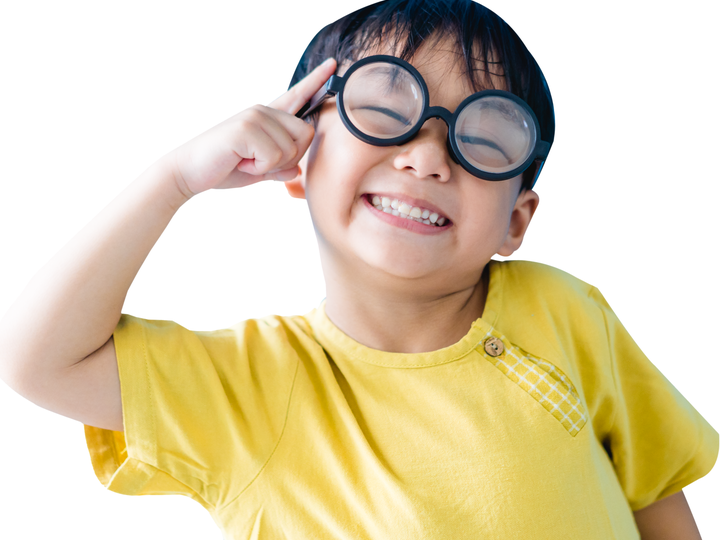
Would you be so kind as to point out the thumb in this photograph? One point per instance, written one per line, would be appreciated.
(285, 175)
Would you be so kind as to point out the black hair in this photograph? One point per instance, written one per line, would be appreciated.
(412, 22)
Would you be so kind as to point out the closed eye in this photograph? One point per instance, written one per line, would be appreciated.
(468, 139)
(388, 112)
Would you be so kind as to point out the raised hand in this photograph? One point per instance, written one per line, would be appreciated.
(259, 143)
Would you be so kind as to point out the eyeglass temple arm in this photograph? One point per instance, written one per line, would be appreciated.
(543, 149)
(542, 154)
(329, 89)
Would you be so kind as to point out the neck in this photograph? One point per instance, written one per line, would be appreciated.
(400, 316)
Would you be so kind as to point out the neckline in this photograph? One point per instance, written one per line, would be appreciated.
(340, 344)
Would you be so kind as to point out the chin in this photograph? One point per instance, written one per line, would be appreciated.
(399, 266)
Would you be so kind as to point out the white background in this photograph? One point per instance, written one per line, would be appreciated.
(92, 93)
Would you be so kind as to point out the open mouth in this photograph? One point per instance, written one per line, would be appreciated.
(404, 210)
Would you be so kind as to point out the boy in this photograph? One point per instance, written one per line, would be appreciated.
(434, 394)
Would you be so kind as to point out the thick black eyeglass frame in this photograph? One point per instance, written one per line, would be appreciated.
(335, 85)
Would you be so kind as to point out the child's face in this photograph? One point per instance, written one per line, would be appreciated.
(341, 174)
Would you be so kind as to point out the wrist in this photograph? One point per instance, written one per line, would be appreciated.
(179, 192)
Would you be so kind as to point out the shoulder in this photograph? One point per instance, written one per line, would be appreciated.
(533, 284)
(548, 310)
(275, 339)
(271, 334)
(534, 277)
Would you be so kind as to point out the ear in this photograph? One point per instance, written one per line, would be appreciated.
(525, 206)
(296, 186)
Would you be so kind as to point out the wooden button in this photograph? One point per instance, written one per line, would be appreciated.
(494, 346)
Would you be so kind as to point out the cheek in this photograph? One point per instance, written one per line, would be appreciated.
(336, 164)
(488, 230)
(337, 161)
(486, 217)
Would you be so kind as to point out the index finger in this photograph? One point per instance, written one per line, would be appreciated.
(297, 96)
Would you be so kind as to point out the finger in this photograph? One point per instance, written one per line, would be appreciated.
(300, 131)
(297, 96)
(260, 156)
(284, 175)
(291, 151)
(238, 179)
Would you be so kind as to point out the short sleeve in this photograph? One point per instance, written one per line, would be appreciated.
(202, 411)
(658, 442)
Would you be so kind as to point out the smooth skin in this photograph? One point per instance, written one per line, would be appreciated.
(669, 518)
(56, 345)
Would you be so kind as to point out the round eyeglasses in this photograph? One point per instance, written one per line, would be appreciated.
(384, 101)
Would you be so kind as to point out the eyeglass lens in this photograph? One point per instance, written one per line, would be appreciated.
(383, 100)
(493, 133)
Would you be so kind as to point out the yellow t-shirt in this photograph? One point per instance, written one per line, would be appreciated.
(544, 421)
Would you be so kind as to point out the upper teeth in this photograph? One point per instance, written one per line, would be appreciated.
(399, 208)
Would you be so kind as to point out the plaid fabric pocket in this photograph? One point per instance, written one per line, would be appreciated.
(544, 381)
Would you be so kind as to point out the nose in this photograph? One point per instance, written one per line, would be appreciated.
(426, 155)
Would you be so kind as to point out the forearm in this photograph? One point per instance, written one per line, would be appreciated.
(72, 305)
(669, 518)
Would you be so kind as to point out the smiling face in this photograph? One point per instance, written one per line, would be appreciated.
(345, 180)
